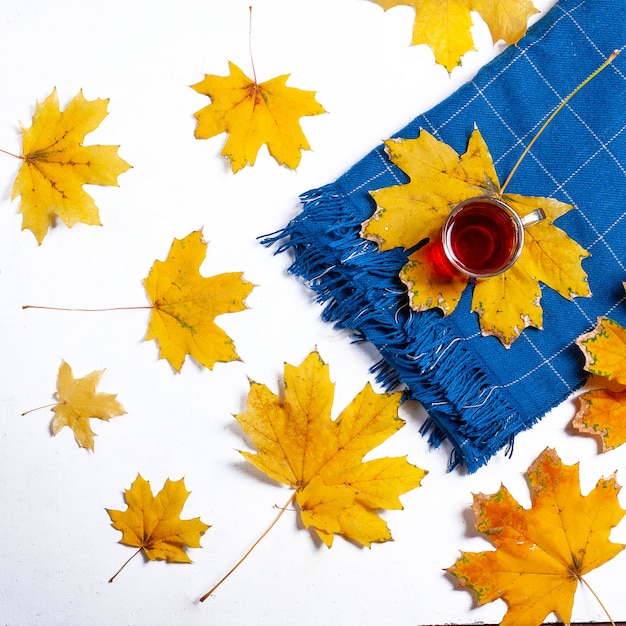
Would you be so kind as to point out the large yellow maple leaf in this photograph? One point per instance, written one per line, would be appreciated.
(185, 304)
(444, 25)
(55, 164)
(153, 525)
(542, 552)
(255, 114)
(409, 214)
(301, 446)
(602, 411)
(79, 401)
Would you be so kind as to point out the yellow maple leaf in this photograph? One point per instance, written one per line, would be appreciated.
(416, 211)
(602, 412)
(185, 304)
(255, 114)
(56, 165)
(542, 552)
(444, 25)
(300, 446)
(152, 523)
(79, 401)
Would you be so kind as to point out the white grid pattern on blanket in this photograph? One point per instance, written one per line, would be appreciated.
(560, 186)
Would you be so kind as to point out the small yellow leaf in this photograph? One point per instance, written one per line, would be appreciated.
(56, 165)
(444, 25)
(79, 401)
(255, 114)
(299, 445)
(153, 524)
(185, 304)
(542, 552)
(415, 212)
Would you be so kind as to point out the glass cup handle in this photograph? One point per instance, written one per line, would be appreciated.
(532, 218)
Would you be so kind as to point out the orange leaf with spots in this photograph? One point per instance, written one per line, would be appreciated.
(602, 411)
(542, 552)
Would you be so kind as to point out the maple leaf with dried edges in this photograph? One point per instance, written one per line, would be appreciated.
(416, 211)
(542, 552)
(56, 165)
(602, 411)
(255, 114)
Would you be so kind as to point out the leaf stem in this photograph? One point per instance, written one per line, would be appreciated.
(554, 114)
(595, 595)
(125, 564)
(250, 46)
(17, 156)
(58, 308)
(254, 545)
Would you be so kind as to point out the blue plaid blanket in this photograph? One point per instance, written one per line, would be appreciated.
(478, 394)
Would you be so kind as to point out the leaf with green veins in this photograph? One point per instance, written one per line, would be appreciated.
(185, 305)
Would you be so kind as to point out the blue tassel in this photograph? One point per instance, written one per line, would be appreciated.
(346, 273)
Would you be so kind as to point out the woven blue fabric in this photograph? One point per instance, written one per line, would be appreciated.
(479, 394)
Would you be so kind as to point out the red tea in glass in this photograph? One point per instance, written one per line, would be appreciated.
(484, 236)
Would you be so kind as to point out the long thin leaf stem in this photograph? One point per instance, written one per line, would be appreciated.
(554, 114)
(37, 408)
(595, 595)
(17, 156)
(250, 47)
(254, 545)
(125, 564)
(60, 308)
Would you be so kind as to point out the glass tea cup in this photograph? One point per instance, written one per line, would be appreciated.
(484, 236)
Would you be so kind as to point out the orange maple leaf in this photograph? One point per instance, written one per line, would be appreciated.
(185, 304)
(56, 165)
(300, 446)
(79, 401)
(255, 114)
(542, 552)
(152, 523)
(416, 211)
(602, 411)
(445, 25)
